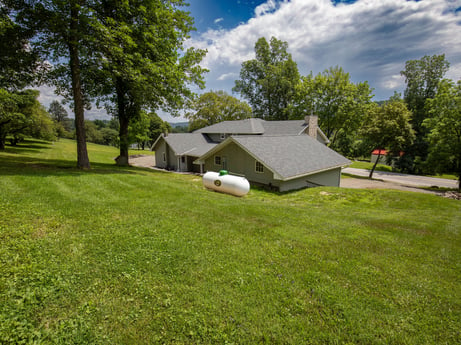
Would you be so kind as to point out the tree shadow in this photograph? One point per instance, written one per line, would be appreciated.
(27, 146)
(30, 166)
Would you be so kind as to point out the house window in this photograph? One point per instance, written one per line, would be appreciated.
(164, 156)
(259, 167)
(183, 159)
(217, 160)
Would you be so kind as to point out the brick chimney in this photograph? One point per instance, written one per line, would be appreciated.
(312, 124)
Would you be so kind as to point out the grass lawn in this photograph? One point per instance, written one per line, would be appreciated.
(133, 256)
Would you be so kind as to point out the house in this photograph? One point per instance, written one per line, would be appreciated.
(282, 162)
(284, 155)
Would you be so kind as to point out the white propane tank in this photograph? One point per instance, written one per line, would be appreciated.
(225, 183)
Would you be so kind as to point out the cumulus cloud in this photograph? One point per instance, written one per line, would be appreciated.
(370, 39)
(218, 20)
(47, 95)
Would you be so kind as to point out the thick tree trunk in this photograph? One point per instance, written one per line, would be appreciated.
(122, 159)
(82, 155)
(2, 143)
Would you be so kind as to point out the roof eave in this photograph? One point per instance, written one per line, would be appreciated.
(161, 136)
(310, 172)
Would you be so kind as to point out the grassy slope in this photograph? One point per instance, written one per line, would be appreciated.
(132, 256)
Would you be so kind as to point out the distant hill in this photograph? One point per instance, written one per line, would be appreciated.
(179, 124)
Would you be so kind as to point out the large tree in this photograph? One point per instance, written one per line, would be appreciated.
(444, 128)
(216, 106)
(142, 60)
(62, 36)
(339, 103)
(268, 81)
(387, 127)
(422, 77)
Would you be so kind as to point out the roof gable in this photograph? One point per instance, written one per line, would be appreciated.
(190, 144)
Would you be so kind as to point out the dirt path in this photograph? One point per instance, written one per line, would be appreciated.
(143, 161)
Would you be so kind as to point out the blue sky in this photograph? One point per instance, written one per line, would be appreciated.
(369, 39)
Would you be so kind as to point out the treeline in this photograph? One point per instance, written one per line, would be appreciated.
(143, 130)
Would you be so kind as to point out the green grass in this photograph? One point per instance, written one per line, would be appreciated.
(133, 256)
(369, 166)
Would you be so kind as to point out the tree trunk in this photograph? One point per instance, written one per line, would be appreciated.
(374, 165)
(82, 155)
(2, 143)
(122, 159)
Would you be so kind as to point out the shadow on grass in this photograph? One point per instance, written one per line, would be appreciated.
(27, 146)
(29, 166)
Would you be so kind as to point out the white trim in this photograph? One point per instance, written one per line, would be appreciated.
(261, 167)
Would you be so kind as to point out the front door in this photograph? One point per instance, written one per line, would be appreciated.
(224, 162)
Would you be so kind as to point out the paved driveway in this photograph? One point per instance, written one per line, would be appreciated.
(404, 179)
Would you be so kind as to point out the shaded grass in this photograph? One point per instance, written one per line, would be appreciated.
(132, 256)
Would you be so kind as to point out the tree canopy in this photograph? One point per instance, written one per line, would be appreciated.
(387, 127)
(142, 64)
(216, 106)
(19, 64)
(268, 82)
(444, 128)
(422, 77)
(22, 115)
(339, 103)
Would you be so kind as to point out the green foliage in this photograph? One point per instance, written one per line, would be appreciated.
(445, 129)
(94, 257)
(388, 127)
(22, 115)
(19, 64)
(214, 107)
(142, 63)
(268, 82)
(156, 127)
(422, 78)
(339, 103)
(57, 111)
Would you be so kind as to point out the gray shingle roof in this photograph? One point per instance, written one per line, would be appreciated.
(190, 144)
(293, 127)
(290, 156)
(248, 126)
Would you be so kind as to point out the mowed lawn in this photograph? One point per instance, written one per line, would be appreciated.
(134, 256)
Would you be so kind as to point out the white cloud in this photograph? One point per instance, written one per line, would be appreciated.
(218, 20)
(47, 95)
(226, 76)
(370, 39)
